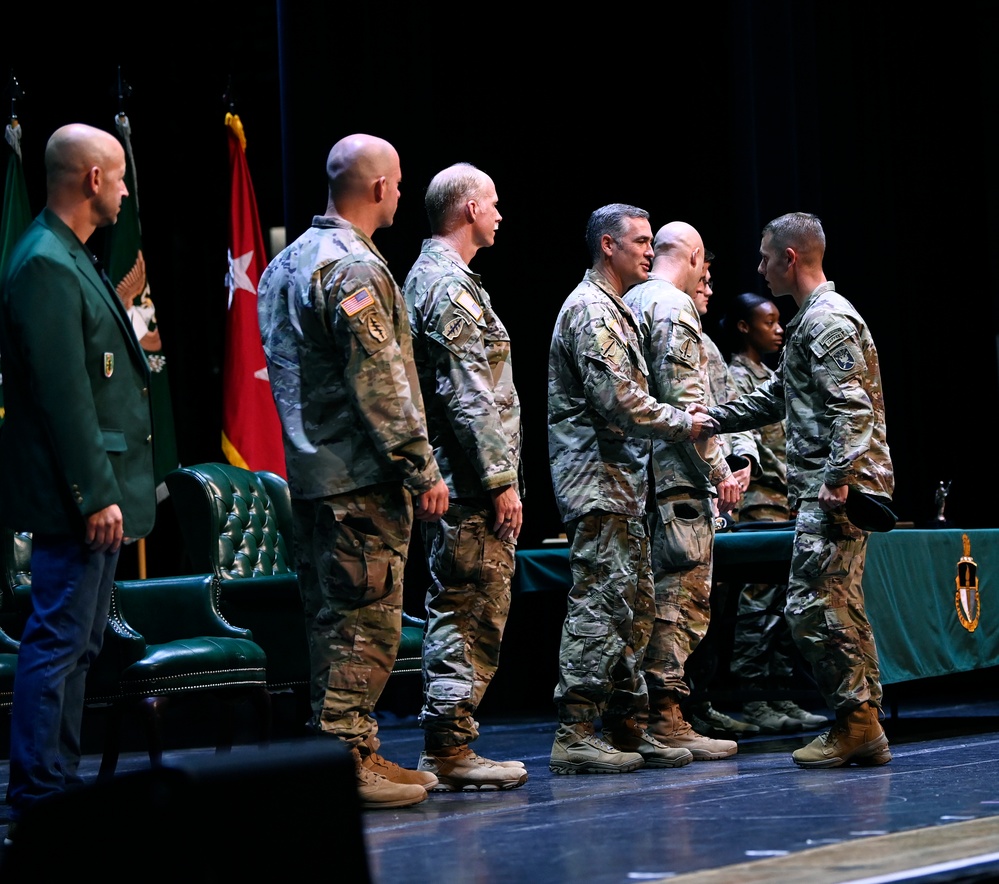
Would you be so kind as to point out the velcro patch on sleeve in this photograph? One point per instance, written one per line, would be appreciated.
(830, 338)
(689, 320)
(845, 358)
(469, 304)
(357, 302)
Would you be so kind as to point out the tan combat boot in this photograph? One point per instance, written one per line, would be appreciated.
(398, 774)
(627, 736)
(856, 738)
(377, 791)
(459, 769)
(578, 750)
(667, 725)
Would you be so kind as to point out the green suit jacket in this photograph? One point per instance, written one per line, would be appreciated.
(77, 435)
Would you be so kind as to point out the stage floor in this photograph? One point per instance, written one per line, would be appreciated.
(932, 814)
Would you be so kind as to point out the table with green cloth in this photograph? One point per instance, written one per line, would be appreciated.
(910, 587)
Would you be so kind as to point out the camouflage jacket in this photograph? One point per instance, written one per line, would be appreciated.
(600, 414)
(770, 487)
(340, 360)
(462, 354)
(828, 387)
(671, 335)
(720, 388)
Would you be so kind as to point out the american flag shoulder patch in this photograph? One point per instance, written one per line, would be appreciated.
(357, 302)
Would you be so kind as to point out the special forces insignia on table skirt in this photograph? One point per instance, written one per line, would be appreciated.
(966, 599)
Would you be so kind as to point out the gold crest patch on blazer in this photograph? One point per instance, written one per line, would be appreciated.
(108, 364)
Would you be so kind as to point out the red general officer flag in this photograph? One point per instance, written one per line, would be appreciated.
(251, 431)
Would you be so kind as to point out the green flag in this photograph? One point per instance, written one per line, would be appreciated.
(16, 214)
(127, 268)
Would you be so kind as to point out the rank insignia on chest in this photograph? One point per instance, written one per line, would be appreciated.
(108, 364)
(357, 302)
(452, 328)
(966, 599)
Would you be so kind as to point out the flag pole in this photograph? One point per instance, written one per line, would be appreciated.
(127, 267)
(123, 90)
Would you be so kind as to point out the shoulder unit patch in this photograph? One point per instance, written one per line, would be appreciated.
(452, 328)
(844, 358)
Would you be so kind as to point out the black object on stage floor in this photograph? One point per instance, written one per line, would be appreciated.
(273, 811)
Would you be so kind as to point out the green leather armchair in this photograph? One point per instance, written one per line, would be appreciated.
(15, 597)
(237, 526)
(165, 639)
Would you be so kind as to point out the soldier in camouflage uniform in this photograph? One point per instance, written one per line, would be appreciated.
(762, 648)
(462, 354)
(601, 419)
(340, 361)
(739, 452)
(720, 387)
(828, 389)
(688, 478)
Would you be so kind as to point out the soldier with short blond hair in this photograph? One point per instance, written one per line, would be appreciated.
(827, 387)
(462, 353)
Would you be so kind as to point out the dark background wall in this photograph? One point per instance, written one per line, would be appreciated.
(725, 114)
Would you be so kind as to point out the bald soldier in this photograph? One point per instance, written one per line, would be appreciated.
(688, 477)
(462, 355)
(340, 360)
(76, 466)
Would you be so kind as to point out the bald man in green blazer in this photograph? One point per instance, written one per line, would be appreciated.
(76, 465)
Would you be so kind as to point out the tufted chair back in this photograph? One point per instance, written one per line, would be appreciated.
(230, 524)
(237, 527)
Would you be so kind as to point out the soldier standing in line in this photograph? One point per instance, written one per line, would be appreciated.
(739, 451)
(340, 361)
(690, 482)
(601, 419)
(462, 353)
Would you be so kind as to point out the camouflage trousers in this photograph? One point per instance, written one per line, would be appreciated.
(350, 553)
(467, 607)
(683, 531)
(825, 607)
(609, 620)
(762, 647)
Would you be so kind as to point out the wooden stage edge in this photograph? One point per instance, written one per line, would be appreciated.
(931, 850)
